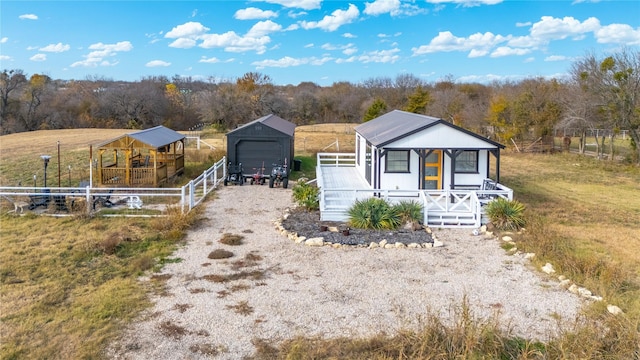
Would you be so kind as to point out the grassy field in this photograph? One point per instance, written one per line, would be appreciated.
(67, 286)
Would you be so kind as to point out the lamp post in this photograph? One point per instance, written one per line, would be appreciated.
(45, 159)
(35, 185)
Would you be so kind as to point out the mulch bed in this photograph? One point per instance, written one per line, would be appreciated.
(308, 224)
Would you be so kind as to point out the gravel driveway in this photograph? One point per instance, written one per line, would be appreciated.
(272, 288)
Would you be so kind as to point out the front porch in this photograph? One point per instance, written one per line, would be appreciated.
(341, 185)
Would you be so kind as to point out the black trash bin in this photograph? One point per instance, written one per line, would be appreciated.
(296, 164)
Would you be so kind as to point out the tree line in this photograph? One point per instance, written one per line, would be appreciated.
(599, 93)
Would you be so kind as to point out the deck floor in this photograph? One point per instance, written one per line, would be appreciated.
(346, 177)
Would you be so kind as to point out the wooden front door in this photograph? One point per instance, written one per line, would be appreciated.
(432, 174)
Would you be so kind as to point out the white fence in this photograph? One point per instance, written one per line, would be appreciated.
(67, 200)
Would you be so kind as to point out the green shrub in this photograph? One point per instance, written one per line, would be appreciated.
(409, 211)
(373, 213)
(306, 195)
(506, 214)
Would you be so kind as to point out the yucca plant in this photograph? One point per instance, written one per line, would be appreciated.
(373, 213)
(409, 211)
(306, 195)
(506, 214)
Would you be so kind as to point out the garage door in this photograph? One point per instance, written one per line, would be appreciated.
(252, 154)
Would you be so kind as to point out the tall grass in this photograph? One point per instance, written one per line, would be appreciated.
(69, 284)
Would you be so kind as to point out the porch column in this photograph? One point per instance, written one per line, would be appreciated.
(452, 155)
(127, 168)
(497, 166)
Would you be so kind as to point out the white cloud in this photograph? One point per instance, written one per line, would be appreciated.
(59, 47)
(157, 63)
(214, 60)
(556, 58)
(284, 62)
(296, 14)
(393, 8)
(349, 36)
(262, 28)
(350, 50)
(301, 4)
(232, 42)
(466, 3)
(28, 17)
(310, 45)
(618, 34)
(253, 13)
(187, 30)
(529, 59)
(4, 40)
(523, 24)
(189, 34)
(381, 7)
(288, 61)
(183, 43)
(5, 57)
(38, 57)
(335, 20)
(102, 51)
(509, 51)
(379, 56)
(550, 28)
(477, 43)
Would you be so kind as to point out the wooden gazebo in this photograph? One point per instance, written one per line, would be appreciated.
(145, 158)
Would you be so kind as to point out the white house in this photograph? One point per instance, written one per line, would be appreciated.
(402, 150)
(402, 155)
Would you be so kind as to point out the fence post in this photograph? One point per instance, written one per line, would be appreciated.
(182, 199)
(87, 197)
(204, 185)
(215, 175)
(191, 195)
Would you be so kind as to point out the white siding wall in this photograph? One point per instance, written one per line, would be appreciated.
(440, 136)
(362, 144)
(465, 179)
(402, 181)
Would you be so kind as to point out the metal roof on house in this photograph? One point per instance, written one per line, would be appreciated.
(397, 124)
(274, 122)
(155, 137)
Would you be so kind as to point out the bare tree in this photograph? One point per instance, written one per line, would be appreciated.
(10, 81)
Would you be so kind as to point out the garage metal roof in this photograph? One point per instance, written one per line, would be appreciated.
(274, 122)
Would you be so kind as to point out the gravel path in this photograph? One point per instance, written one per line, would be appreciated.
(275, 289)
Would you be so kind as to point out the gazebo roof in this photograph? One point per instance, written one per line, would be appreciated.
(152, 138)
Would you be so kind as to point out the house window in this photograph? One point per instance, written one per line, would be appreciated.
(397, 161)
(467, 162)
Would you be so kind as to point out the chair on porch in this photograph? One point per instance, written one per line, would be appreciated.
(487, 185)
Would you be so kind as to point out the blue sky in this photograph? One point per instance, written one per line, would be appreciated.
(294, 41)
